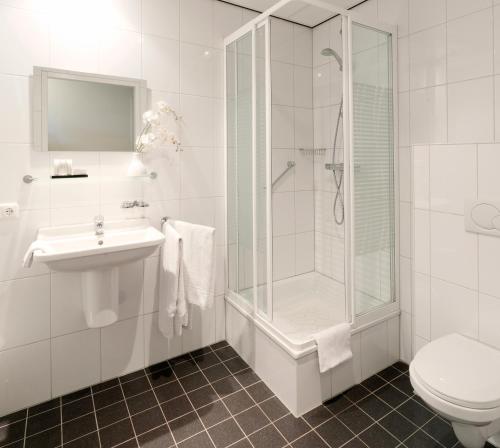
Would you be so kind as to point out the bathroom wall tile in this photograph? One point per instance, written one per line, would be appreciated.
(496, 41)
(489, 257)
(421, 176)
(283, 257)
(487, 176)
(66, 307)
(322, 85)
(196, 21)
(166, 164)
(282, 84)
(304, 211)
(151, 284)
(73, 215)
(202, 329)
(497, 108)
(130, 290)
(196, 127)
(302, 87)
(405, 175)
(302, 45)
(426, 13)
(453, 178)
(161, 18)
(422, 305)
(282, 42)
(428, 57)
(18, 160)
(304, 250)
(394, 12)
(16, 368)
(220, 318)
(283, 213)
(160, 63)
(197, 173)
(282, 127)
(156, 346)
(454, 309)
(15, 126)
(470, 111)
(489, 307)
(321, 39)
(459, 8)
(197, 69)
(403, 64)
(405, 284)
(28, 35)
(122, 348)
(405, 229)
(16, 235)
(279, 159)
(453, 250)
(373, 349)
(198, 211)
(421, 246)
(304, 170)
(323, 119)
(28, 301)
(405, 335)
(226, 19)
(75, 361)
(471, 35)
(120, 53)
(404, 119)
(428, 114)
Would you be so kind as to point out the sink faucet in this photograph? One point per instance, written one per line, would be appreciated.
(99, 225)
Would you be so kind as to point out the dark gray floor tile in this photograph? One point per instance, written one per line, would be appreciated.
(156, 438)
(226, 353)
(68, 398)
(137, 386)
(131, 443)
(392, 396)
(193, 381)
(184, 368)
(216, 372)
(108, 396)
(147, 420)
(442, 431)
(238, 402)
(415, 412)
(226, 386)
(207, 360)
(141, 402)
(111, 414)
(243, 443)
(354, 443)
(203, 396)
(310, 440)
(218, 345)
(247, 377)
(421, 440)
(251, 420)
(401, 366)
(291, 427)
(374, 382)
(201, 440)
(213, 413)
(176, 407)
(117, 433)
(46, 439)
(338, 404)
(13, 417)
(89, 441)
(77, 408)
(11, 433)
(106, 385)
(334, 432)
(356, 393)
(355, 419)
(259, 392)
(225, 433)
(236, 365)
(43, 421)
(403, 383)
(168, 391)
(79, 427)
(160, 377)
(274, 408)
(45, 406)
(398, 425)
(186, 426)
(162, 365)
(132, 376)
(267, 437)
(377, 437)
(389, 373)
(374, 407)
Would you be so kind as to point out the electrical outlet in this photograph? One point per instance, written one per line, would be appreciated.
(9, 210)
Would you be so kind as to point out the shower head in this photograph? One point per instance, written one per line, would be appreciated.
(329, 52)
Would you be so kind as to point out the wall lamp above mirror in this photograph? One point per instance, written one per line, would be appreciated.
(74, 111)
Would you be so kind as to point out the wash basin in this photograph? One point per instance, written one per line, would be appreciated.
(78, 248)
(97, 258)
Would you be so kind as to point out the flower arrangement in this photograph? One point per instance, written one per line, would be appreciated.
(154, 132)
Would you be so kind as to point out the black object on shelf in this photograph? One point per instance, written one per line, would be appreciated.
(69, 176)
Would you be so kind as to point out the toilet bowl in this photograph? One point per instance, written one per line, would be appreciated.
(460, 379)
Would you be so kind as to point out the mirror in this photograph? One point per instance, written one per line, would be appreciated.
(86, 112)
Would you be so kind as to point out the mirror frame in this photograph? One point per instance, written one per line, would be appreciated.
(41, 77)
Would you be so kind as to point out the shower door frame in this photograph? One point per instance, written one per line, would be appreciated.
(383, 312)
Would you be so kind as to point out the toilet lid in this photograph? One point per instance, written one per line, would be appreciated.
(461, 371)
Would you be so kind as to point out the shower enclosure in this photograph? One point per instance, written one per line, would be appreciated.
(311, 179)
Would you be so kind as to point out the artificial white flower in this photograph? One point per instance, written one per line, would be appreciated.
(151, 117)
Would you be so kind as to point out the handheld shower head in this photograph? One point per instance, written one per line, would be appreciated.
(329, 52)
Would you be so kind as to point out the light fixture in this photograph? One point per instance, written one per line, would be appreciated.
(138, 169)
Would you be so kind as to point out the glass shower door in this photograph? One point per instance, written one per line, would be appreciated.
(373, 155)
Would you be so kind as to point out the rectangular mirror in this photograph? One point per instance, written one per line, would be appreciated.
(85, 112)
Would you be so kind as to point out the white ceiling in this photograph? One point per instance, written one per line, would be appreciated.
(297, 11)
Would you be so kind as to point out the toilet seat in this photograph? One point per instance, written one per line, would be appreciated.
(460, 371)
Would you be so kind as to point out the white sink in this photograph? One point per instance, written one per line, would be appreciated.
(78, 248)
(98, 258)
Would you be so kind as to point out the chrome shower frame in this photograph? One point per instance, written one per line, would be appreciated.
(265, 317)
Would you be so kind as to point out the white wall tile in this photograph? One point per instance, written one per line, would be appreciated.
(282, 41)
(122, 348)
(428, 113)
(16, 370)
(458, 8)
(470, 111)
(405, 229)
(304, 250)
(302, 45)
(156, 346)
(120, 53)
(303, 95)
(489, 257)
(496, 42)
(394, 12)
(28, 301)
(283, 213)
(226, 19)
(422, 305)
(304, 211)
(283, 257)
(453, 178)
(453, 250)
(160, 63)
(421, 176)
(489, 309)
(75, 361)
(196, 126)
(404, 119)
(282, 83)
(161, 18)
(197, 173)
(197, 69)
(405, 174)
(454, 309)
(15, 126)
(373, 349)
(421, 246)
(403, 63)
(405, 284)
(196, 21)
(428, 57)
(487, 175)
(426, 13)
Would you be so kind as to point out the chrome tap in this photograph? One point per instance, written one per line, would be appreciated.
(99, 225)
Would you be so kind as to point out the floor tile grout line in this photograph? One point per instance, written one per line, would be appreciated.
(162, 413)
(129, 416)
(61, 420)
(96, 421)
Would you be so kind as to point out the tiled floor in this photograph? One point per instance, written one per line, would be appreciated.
(210, 398)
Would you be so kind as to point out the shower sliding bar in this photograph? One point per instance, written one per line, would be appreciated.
(289, 165)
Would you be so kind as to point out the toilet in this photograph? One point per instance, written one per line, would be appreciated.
(459, 378)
